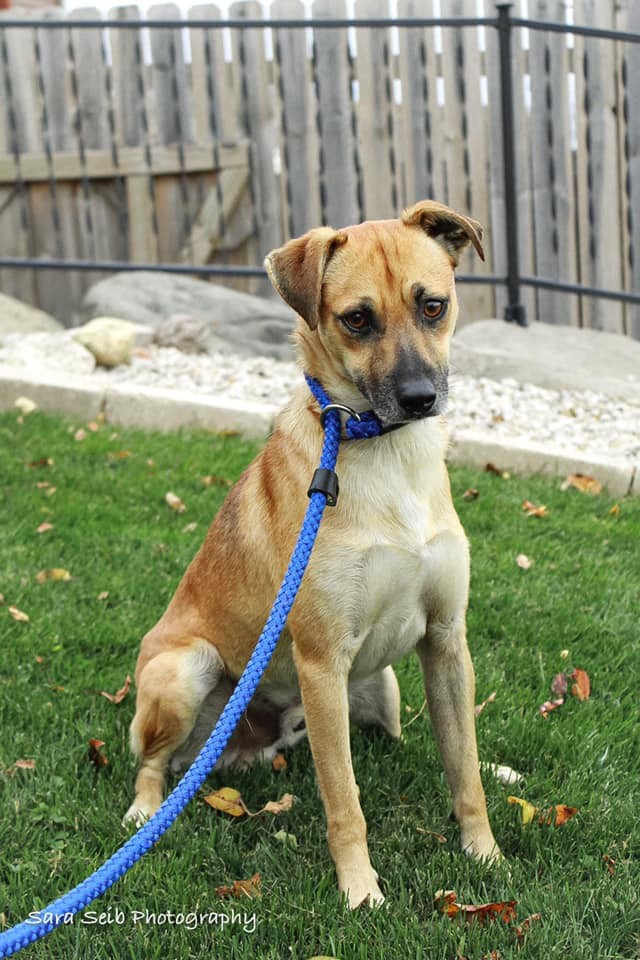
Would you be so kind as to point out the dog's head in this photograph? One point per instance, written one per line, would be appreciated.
(379, 307)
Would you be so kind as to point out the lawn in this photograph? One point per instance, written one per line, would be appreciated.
(577, 606)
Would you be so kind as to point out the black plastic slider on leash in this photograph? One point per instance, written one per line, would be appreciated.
(326, 482)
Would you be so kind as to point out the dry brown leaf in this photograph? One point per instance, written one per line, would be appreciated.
(553, 816)
(55, 573)
(610, 864)
(549, 705)
(432, 833)
(505, 910)
(227, 800)
(19, 615)
(25, 765)
(471, 494)
(279, 762)
(97, 758)
(560, 685)
(213, 480)
(251, 888)
(523, 928)
(583, 483)
(581, 687)
(42, 462)
(282, 805)
(532, 510)
(561, 813)
(120, 694)
(615, 510)
(523, 561)
(44, 527)
(491, 468)
(480, 706)
(172, 500)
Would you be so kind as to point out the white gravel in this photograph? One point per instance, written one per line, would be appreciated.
(586, 422)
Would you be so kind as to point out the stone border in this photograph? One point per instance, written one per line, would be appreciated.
(150, 408)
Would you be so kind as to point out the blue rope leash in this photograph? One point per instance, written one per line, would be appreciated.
(25, 933)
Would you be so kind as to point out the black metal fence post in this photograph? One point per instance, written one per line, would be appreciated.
(514, 311)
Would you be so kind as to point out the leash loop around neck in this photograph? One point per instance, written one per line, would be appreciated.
(358, 426)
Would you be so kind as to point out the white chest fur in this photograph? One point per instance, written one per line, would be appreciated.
(395, 554)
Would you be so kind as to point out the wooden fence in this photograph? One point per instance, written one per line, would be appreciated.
(192, 144)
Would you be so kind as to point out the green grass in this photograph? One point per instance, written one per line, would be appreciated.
(113, 531)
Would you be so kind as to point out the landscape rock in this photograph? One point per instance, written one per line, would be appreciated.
(46, 354)
(549, 355)
(189, 333)
(110, 340)
(21, 318)
(222, 320)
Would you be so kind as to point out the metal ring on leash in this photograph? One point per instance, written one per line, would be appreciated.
(338, 406)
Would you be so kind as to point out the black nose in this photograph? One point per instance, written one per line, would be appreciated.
(417, 397)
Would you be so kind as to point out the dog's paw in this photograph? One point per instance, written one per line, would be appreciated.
(135, 816)
(362, 890)
(482, 847)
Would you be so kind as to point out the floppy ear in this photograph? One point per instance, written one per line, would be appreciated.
(452, 231)
(296, 270)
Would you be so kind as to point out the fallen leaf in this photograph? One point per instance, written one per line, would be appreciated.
(25, 405)
(103, 595)
(93, 426)
(39, 659)
(471, 494)
(56, 573)
(564, 654)
(611, 864)
(242, 888)
(505, 910)
(212, 480)
(559, 685)
(44, 527)
(25, 765)
(583, 483)
(523, 561)
(549, 705)
(282, 805)
(528, 809)
(562, 813)
(97, 758)
(581, 688)
(80, 435)
(227, 800)
(19, 615)
(189, 527)
(506, 775)
(523, 928)
(432, 833)
(615, 510)
(42, 462)
(120, 694)
(534, 511)
(480, 706)
(279, 762)
(175, 502)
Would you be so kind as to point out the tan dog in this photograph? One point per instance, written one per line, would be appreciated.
(390, 569)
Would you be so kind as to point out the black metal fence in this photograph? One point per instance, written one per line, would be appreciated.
(356, 130)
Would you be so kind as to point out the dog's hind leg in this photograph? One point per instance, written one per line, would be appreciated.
(172, 686)
(375, 701)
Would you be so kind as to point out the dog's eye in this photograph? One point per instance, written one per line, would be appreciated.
(434, 309)
(357, 322)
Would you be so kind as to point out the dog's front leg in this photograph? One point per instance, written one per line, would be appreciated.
(450, 688)
(324, 689)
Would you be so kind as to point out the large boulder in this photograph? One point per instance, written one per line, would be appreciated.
(204, 317)
(549, 355)
(18, 317)
(42, 354)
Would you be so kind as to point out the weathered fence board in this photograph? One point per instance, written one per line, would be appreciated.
(201, 145)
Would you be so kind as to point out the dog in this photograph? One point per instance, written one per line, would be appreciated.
(376, 306)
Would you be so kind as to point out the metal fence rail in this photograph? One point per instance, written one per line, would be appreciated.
(195, 145)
